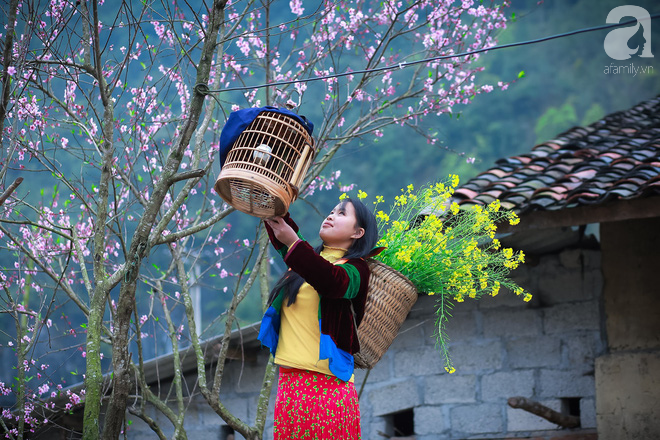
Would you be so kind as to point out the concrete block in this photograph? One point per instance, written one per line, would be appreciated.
(243, 377)
(498, 387)
(479, 356)
(395, 397)
(521, 420)
(560, 284)
(564, 318)
(462, 326)
(581, 350)
(206, 435)
(571, 258)
(450, 388)
(509, 322)
(418, 362)
(209, 418)
(529, 352)
(423, 308)
(410, 335)
(565, 383)
(429, 420)
(524, 274)
(588, 413)
(476, 419)
(379, 373)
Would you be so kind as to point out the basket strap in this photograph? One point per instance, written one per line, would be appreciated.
(357, 335)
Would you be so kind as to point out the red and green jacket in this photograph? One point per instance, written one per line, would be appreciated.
(338, 285)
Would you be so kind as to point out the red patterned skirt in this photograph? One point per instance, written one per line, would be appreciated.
(315, 406)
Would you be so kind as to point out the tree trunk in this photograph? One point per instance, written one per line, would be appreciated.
(121, 380)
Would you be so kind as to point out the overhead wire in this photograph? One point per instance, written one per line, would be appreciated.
(204, 89)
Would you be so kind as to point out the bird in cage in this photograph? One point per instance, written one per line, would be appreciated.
(261, 154)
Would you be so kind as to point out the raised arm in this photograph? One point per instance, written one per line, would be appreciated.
(283, 232)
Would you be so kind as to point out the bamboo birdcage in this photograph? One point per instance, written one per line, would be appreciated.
(266, 165)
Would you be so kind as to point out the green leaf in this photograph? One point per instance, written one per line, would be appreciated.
(139, 178)
(521, 74)
(144, 66)
(83, 325)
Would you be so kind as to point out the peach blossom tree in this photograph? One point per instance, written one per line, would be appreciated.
(110, 117)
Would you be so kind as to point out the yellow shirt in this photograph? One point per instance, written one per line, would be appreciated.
(300, 333)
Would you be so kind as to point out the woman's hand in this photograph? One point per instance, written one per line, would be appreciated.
(283, 232)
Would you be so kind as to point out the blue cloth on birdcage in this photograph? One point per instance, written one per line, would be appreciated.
(240, 119)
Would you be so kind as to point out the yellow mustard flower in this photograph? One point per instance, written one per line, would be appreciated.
(450, 257)
(380, 215)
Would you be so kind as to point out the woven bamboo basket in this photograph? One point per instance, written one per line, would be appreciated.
(266, 165)
(389, 299)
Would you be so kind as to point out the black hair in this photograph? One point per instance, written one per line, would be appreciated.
(290, 281)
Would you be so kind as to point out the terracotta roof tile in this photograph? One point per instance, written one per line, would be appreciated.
(617, 157)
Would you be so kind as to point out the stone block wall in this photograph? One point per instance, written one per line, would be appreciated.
(501, 347)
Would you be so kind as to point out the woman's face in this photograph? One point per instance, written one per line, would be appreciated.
(340, 228)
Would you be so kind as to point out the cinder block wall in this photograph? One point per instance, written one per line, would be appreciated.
(501, 347)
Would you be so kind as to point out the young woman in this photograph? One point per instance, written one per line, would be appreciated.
(311, 323)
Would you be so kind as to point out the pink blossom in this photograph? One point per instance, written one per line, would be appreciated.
(296, 7)
(11, 70)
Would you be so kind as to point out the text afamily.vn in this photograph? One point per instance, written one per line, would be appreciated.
(631, 69)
